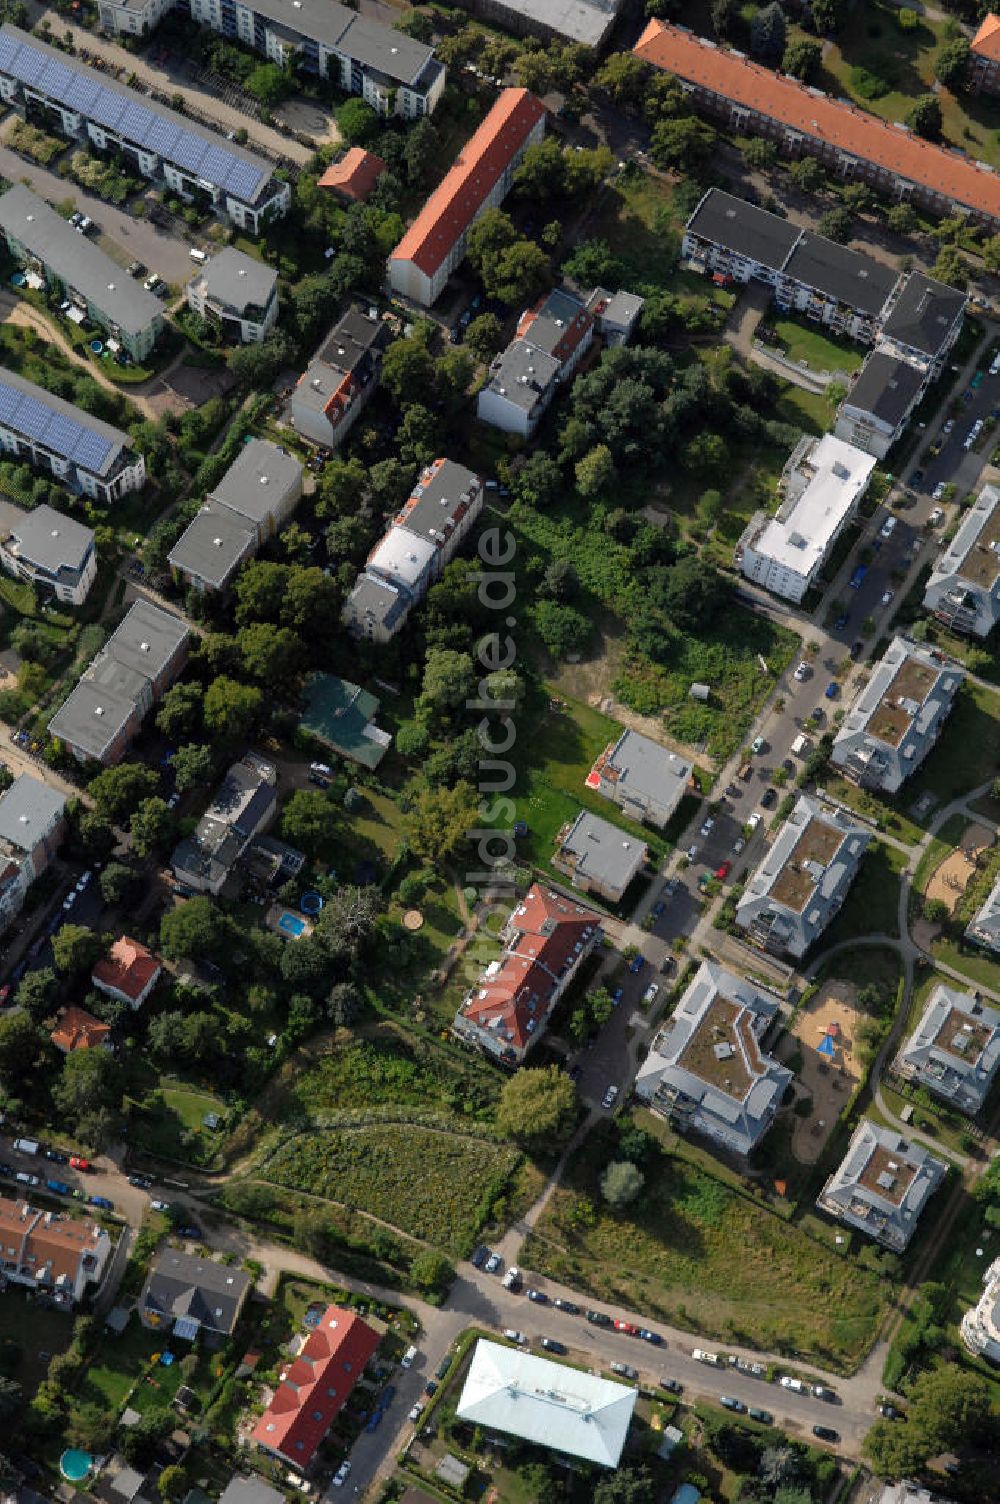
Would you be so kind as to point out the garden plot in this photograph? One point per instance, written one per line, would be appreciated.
(949, 880)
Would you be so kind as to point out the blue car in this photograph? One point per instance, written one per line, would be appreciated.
(840, 623)
(832, 690)
(59, 1186)
(617, 996)
(857, 578)
(375, 1421)
(636, 964)
(388, 1395)
(103, 1202)
(658, 908)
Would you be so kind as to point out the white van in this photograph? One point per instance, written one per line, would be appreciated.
(197, 255)
(703, 1357)
(408, 1357)
(26, 1145)
(800, 746)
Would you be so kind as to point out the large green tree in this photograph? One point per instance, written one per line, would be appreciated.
(439, 820)
(194, 929)
(232, 709)
(19, 1045)
(116, 792)
(75, 948)
(537, 1105)
(152, 826)
(310, 821)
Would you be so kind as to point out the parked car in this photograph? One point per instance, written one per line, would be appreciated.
(787, 1382)
(757, 745)
(821, 1392)
(936, 517)
(888, 596)
(755, 819)
(888, 527)
(832, 690)
(340, 1476)
(417, 1411)
(731, 1404)
(599, 1318)
(840, 622)
(60, 1187)
(672, 1386)
(141, 1182)
(552, 1346)
(636, 964)
(566, 1305)
(763, 1416)
(857, 648)
(441, 1372)
(608, 1100)
(707, 827)
(890, 1411)
(539, 1297)
(769, 798)
(77, 1162)
(160, 1206)
(858, 577)
(103, 1203)
(802, 672)
(826, 1433)
(658, 908)
(480, 1255)
(723, 870)
(617, 996)
(651, 993)
(512, 1279)
(648, 1336)
(701, 1356)
(493, 1263)
(430, 1388)
(625, 1370)
(56, 1157)
(374, 1421)
(513, 1336)
(190, 1231)
(24, 1178)
(628, 1327)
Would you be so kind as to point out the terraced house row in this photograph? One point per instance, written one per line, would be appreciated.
(803, 120)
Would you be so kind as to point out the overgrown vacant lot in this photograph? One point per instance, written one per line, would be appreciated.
(692, 1252)
(439, 1186)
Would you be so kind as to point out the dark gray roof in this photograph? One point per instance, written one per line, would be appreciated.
(603, 852)
(585, 21)
(886, 387)
(955, 1049)
(91, 717)
(841, 273)
(147, 639)
(924, 314)
(52, 541)
(259, 480)
(375, 600)
(252, 1490)
(743, 228)
(212, 546)
(77, 261)
(522, 374)
(238, 280)
(181, 1284)
(381, 48)
(28, 810)
(439, 496)
(350, 340)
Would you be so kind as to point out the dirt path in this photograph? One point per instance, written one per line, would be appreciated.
(16, 311)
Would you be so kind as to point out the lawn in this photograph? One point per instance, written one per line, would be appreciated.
(170, 1123)
(970, 960)
(887, 816)
(968, 752)
(809, 411)
(638, 218)
(433, 1184)
(697, 1254)
(820, 352)
(872, 905)
(29, 1335)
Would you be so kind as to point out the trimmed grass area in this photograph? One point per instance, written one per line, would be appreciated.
(821, 352)
(968, 752)
(121, 1362)
(695, 1253)
(27, 1331)
(972, 962)
(172, 1125)
(888, 816)
(436, 1185)
(872, 905)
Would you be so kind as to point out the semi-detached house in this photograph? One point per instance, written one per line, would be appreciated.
(480, 179)
(55, 553)
(192, 160)
(237, 295)
(802, 119)
(57, 1256)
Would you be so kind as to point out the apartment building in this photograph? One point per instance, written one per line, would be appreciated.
(192, 160)
(980, 1327)
(880, 403)
(545, 941)
(598, 857)
(315, 1382)
(53, 552)
(584, 22)
(32, 825)
(645, 780)
(954, 1052)
(424, 536)
(102, 715)
(922, 321)
(706, 1071)
(984, 56)
(802, 880)
(244, 804)
(897, 717)
(882, 1185)
(236, 294)
(132, 18)
(338, 382)
(480, 179)
(964, 588)
(822, 485)
(802, 119)
(84, 454)
(253, 500)
(52, 1254)
(97, 287)
(984, 926)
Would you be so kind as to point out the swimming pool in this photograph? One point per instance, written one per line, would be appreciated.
(75, 1465)
(291, 924)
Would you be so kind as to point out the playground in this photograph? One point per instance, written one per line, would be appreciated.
(949, 879)
(824, 1032)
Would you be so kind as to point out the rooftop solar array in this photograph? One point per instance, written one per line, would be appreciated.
(55, 431)
(154, 129)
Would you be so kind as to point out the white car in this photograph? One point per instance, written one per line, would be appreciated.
(938, 491)
(948, 427)
(888, 597)
(706, 829)
(340, 1476)
(701, 1356)
(738, 845)
(995, 367)
(789, 1383)
(160, 1206)
(755, 819)
(692, 853)
(418, 1410)
(69, 900)
(512, 1279)
(511, 1336)
(650, 994)
(936, 517)
(757, 745)
(802, 672)
(888, 527)
(610, 1097)
(493, 1263)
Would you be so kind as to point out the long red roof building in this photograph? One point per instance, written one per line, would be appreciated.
(480, 178)
(314, 1386)
(843, 136)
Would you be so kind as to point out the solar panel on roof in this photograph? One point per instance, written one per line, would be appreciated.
(81, 94)
(62, 434)
(161, 136)
(55, 79)
(135, 122)
(216, 164)
(8, 52)
(243, 180)
(32, 418)
(107, 108)
(90, 450)
(28, 65)
(187, 151)
(8, 403)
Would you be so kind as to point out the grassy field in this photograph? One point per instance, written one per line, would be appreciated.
(696, 1253)
(872, 905)
(972, 962)
(968, 752)
(29, 1335)
(821, 352)
(172, 1125)
(438, 1186)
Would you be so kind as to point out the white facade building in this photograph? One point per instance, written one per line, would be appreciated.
(52, 552)
(981, 1325)
(964, 588)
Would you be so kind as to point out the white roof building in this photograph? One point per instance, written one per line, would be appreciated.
(964, 588)
(548, 1403)
(824, 481)
(981, 1325)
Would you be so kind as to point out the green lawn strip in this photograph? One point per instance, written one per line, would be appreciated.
(821, 352)
(809, 411)
(435, 1185)
(970, 960)
(694, 1252)
(934, 1121)
(886, 816)
(872, 904)
(968, 752)
(168, 1121)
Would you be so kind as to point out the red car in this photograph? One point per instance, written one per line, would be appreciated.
(76, 1163)
(4, 994)
(627, 1326)
(723, 871)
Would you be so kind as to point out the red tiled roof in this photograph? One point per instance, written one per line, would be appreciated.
(76, 1029)
(315, 1385)
(47, 1244)
(986, 42)
(129, 967)
(547, 931)
(355, 175)
(951, 174)
(453, 205)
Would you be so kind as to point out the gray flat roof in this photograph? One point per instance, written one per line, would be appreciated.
(89, 442)
(147, 639)
(76, 260)
(586, 21)
(375, 600)
(439, 496)
(193, 149)
(846, 275)
(238, 280)
(350, 339)
(651, 770)
(924, 313)
(53, 541)
(211, 546)
(522, 373)
(27, 811)
(91, 717)
(258, 480)
(743, 228)
(381, 47)
(603, 851)
(886, 387)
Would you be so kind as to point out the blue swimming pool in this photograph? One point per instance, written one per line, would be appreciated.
(686, 1494)
(75, 1465)
(291, 924)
